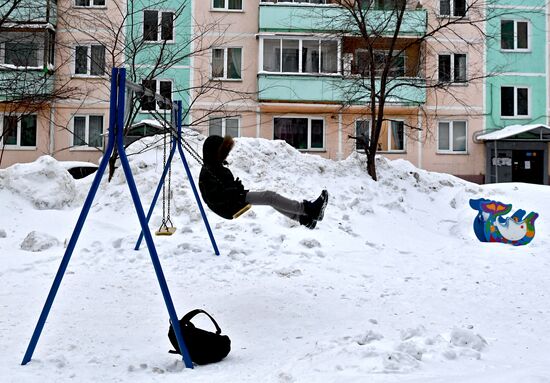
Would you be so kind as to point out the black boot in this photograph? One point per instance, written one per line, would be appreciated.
(316, 209)
(306, 221)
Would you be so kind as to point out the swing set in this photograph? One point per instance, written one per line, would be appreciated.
(118, 102)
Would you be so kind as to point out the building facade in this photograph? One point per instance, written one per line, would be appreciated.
(289, 70)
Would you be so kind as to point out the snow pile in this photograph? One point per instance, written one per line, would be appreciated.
(44, 183)
(36, 241)
(392, 285)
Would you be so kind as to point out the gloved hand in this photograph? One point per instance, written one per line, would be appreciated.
(239, 184)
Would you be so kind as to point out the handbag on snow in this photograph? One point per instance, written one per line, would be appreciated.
(204, 346)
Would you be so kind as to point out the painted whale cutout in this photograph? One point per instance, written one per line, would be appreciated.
(490, 225)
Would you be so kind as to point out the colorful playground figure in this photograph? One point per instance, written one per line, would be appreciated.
(491, 226)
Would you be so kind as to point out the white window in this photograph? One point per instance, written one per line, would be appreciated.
(300, 56)
(163, 87)
(222, 126)
(514, 35)
(455, 8)
(226, 63)
(300, 132)
(89, 60)
(362, 63)
(392, 137)
(87, 131)
(362, 132)
(514, 101)
(227, 4)
(451, 137)
(389, 4)
(158, 26)
(452, 67)
(18, 131)
(89, 3)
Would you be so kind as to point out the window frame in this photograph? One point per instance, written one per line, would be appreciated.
(225, 66)
(452, 71)
(89, 61)
(368, 121)
(226, 7)
(224, 124)
(92, 5)
(159, 39)
(309, 119)
(87, 132)
(451, 10)
(451, 130)
(157, 90)
(300, 57)
(515, 38)
(384, 51)
(517, 116)
(18, 145)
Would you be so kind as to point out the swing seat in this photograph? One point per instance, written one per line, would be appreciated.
(242, 211)
(165, 231)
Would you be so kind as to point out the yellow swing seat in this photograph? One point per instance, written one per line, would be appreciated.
(165, 231)
(242, 211)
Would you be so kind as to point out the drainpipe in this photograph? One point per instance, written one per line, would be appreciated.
(340, 154)
(52, 130)
(420, 122)
(258, 122)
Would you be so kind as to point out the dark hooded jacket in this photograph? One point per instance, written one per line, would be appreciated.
(222, 193)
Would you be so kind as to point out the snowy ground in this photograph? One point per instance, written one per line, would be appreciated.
(392, 286)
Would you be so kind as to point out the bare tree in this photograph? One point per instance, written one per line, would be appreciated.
(387, 31)
(152, 50)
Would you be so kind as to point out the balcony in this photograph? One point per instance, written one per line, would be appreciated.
(333, 89)
(28, 85)
(300, 18)
(29, 13)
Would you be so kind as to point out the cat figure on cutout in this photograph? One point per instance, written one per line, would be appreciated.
(490, 225)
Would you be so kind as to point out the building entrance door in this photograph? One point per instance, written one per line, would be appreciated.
(528, 166)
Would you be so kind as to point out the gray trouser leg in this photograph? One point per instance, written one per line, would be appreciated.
(292, 209)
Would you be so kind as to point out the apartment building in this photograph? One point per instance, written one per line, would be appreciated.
(286, 70)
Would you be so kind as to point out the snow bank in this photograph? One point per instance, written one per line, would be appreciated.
(44, 183)
(36, 241)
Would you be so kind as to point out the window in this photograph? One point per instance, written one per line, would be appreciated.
(451, 136)
(452, 68)
(392, 137)
(455, 8)
(300, 56)
(297, 1)
(18, 131)
(226, 63)
(89, 3)
(514, 101)
(163, 87)
(514, 35)
(302, 133)
(362, 63)
(223, 126)
(362, 129)
(21, 53)
(228, 4)
(155, 21)
(87, 131)
(90, 60)
(389, 4)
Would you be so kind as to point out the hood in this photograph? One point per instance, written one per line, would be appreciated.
(216, 149)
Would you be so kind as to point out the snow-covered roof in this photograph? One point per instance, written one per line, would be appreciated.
(151, 122)
(512, 130)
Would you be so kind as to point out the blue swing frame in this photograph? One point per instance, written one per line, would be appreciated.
(115, 137)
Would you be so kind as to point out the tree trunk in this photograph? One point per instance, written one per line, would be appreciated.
(371, 165)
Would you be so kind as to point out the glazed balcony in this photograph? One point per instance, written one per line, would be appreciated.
(326, 18)
(333, 89)
(25, 85)
(30, 13)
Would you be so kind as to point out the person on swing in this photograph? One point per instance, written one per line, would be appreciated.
(226, 195)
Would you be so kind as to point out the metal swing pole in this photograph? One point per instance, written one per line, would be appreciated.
(116, 122)
(78, 228)
(190, 177)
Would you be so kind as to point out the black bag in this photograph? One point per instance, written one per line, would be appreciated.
(204, 346)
